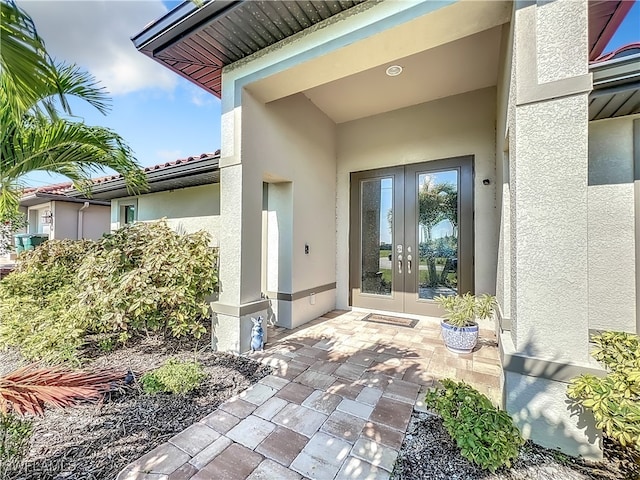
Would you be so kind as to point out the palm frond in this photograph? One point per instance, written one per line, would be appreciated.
(29, 389)
(34, 135)
(74, 81)
(23, 56)
(72, 149)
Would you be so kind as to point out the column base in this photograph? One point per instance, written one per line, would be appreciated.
(231, 325)
(535, 395)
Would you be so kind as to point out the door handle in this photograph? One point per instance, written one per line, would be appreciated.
(400, 264)
(409, 264)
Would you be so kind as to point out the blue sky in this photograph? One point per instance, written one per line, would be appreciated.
(162, 116)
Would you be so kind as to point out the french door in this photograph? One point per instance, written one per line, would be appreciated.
(411, 235)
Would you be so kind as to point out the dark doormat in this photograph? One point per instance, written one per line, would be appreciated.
(389, 320)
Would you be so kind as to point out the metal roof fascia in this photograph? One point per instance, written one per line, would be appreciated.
(167, 173)
(615, 70)
(177, 23)
(32, 200)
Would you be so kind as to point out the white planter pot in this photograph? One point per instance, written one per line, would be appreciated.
(460, 339)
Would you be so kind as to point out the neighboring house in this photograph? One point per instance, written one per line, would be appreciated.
(185, 192)
(342, 121)
(58, 212)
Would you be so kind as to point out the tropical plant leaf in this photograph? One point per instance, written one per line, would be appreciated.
(35, 133)
(29, 389)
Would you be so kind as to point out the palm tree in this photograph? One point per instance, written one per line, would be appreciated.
(35, 132)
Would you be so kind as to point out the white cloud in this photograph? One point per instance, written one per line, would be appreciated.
(169, 155)
(199, 97)
(95, 34)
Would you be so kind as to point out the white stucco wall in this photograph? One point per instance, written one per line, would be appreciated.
(185, 210)
(292, 145)
(95, 220)
(65, 220)
(503, 195)
(546, 222)
(611, 229)
(454, 126)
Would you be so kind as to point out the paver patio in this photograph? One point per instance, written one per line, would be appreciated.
(337, 405)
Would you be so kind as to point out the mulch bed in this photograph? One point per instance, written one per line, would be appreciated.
(428, 452)
(96, 441)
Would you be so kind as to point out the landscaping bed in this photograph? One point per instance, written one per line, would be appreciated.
(428, 452)
(95, 441)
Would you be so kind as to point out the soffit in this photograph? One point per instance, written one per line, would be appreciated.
(605, 16)
(198, 43)
(616, 88)
(467, 64)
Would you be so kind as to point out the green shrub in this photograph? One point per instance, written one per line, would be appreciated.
(615, 398)
(141, 278)
(146, 277)
(66, 254)
(173, 377)
(485, 435)
(46, 329)
(15, 433)
(38, 303)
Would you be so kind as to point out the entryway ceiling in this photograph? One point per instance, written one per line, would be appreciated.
(464, 65)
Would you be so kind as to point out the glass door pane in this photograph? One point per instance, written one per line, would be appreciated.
(376, 226)
(437, 233)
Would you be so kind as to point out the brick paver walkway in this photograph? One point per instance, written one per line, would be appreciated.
(337, 405)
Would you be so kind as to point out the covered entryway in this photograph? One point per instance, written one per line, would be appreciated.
(411, 235)
(385, 86)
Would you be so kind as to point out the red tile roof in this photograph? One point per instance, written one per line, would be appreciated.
(629, 49)
(65, 187)
(56, 188)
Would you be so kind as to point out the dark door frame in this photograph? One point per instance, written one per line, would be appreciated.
(406, 186)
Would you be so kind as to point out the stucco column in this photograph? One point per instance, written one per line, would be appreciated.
(239, 299)
(548, 138)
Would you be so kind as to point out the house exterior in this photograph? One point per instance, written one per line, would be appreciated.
(376, 154)
(59, 212)
(185, 192)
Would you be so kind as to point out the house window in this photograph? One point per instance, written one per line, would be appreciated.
(128, 214)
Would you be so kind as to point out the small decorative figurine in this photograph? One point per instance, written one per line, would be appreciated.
(257, 334)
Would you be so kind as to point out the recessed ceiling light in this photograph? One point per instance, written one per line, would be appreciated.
(394, 70)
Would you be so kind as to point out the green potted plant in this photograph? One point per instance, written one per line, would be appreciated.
(459, 326)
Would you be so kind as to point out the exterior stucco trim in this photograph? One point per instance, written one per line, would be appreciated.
(560, 371)
(503, 322)
(534, 92)
(292, 297)
(335, 43)
(529, 90)
(240, 310)
(636, 183)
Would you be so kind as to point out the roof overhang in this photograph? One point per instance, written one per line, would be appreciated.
(189, 174)
(605, 16)
(40, 198)
(616, 88)
(197, 42)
